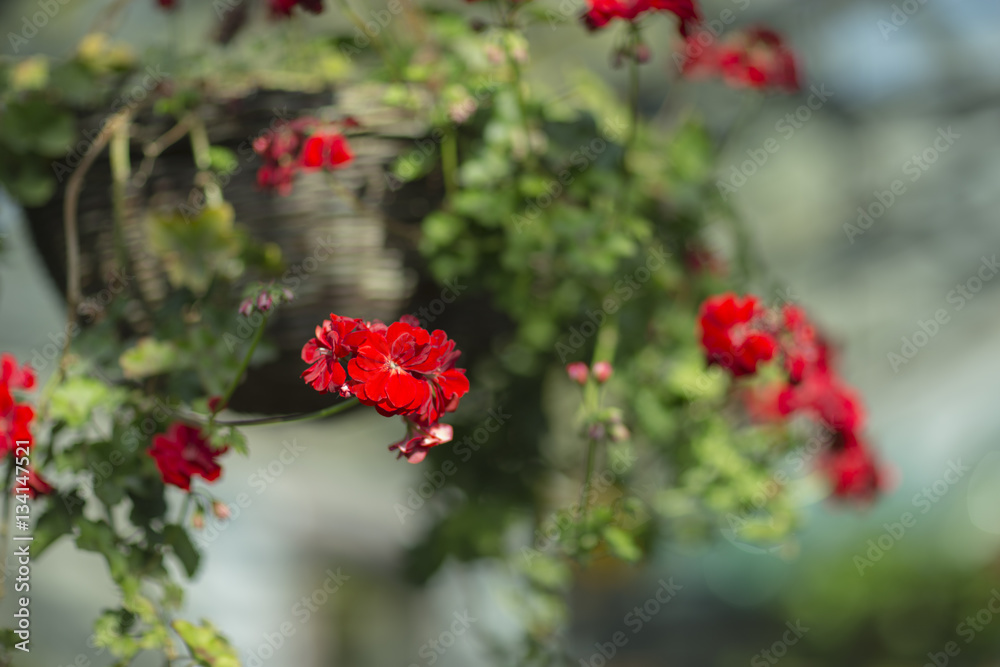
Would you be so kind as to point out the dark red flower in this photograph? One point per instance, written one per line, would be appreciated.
(754, 58)
(167, 4)
(852, 470)
(420, 438)
(184, 452)
(824, 397)
(36, 486)
(283, 8)
(602, 12)
(805, 352)
(733, 335)
(326, 350)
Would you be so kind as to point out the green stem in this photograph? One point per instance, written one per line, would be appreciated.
(449, 161)
(243, 369)
(201, 147)
(585, 491)
(282, 419)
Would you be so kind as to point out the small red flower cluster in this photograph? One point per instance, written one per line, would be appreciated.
(579, 373)
(15, 418)
(303, 144)
(740, 334)
(754, 58)
(400, 369)
(283, 8)
(184, 452)
(602, 12)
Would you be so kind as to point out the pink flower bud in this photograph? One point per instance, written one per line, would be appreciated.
(577, 372)
(221, 510)
(198, 519)
(602, 371)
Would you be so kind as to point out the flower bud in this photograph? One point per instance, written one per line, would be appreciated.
(198, 519)
(620, 433)
(264, 302)
(602, 371)
(246, 307)
(596, 431)
(221, 510)
(577, 372)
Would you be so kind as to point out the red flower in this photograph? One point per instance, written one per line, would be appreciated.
(602, 371)
(755, 58)
(732, 333)
(853, 471)
(602, 12)
(167, 4)
(420, 438)
(184, 452)
(283, 8)
(825, 398)
(36, 486)
(326, 350)
(805, 352)
(325, 150)
(14, 377)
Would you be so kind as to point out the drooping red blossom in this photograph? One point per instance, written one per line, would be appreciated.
(853, 471)
(167, 4)
(805, 351)
(326, 150)
(578, 372)
(36, 486)
(283, 8)
(420, 438)
(326, 350)
(602, 12)
(733, 334)
(399, 369)
(827, 399)
(754, 58)
(184, 452)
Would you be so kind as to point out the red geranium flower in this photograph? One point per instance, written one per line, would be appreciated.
(14, 421)
(37, 486)
(602, 12)
(732, 333)
(755, 58)
(805, 352)
(853, 471)
(326, 150)
(283, 8)
(326, 350)
(825, 398)
(184, 452)
(420, 438)
(14, 377)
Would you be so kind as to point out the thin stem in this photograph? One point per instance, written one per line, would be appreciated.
(243, 369)
(156, 148)
(585, 490)
(449, 161)
(71, 229)
(201, 147)
(282, 419)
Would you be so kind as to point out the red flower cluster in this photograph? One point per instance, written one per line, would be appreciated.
(15, 418)
(302, 144)
(283, 8)
(734, 334)
(739, 334)
(602, 12)
(400, 369)
(184, 452)
(755, 58)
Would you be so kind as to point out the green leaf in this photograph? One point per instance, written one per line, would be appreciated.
(149, 357)
(208, 646)
(75, 400)
(230, 437)
(183, 548)
(622, 544)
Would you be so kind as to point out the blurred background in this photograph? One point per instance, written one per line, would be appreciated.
(901, 101)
